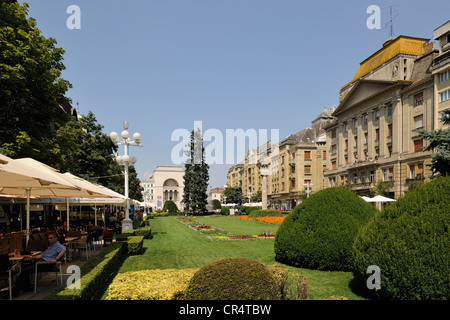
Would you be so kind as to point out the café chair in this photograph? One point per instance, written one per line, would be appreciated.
(55, 267)
(7, 271)
(84, 245)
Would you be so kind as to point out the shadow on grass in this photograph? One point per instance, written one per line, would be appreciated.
(359, 288)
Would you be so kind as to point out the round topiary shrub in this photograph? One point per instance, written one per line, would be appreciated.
(170, 206)
(233, 279)
(319, 232)
(409, 242)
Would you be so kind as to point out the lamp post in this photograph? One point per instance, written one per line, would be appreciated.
(308, 190)
(264, 171)
(126, 160)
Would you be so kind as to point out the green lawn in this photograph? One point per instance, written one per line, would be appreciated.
(175, 245)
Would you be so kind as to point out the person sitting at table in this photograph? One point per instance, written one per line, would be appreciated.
(54, 252)
(62, 231)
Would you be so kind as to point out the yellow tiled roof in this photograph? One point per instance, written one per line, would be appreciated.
(391, 48)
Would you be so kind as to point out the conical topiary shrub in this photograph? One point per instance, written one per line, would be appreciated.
(319, 232)
(409, 242)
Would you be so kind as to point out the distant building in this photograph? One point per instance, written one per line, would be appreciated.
(149, 193)
(215, 194)
(373, 135)
(168, 184)
(441, 73)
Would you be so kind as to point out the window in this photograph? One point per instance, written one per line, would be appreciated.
(444, 76)
(363, 178)
(412, 172)
(377, 117)
(355, 179)
(333, 134)
(282, 159)
(307, 155)
(384, 174)
(366, 137)
(356, 141)
(377, 134)
(333, 149)
(366, 119)
(324, 155)
(418, 145)
(307, 169)
(293, 155)
(346, 127)
(390, 110)
(346, 161)
(346, 144)
(391, 174)
(307, 182)
(389, 130)
(420, 170)
(418, 99)
(282, 186)
(333, 165)
(390, 151)
(356, 124)
(418, 122)
(445, 95)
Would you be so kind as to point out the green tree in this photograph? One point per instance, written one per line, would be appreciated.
(380, 188)
(89, 153)
(257, 197)
(31, 87)
(233, 195)
(216, 204)
(439, 142)
(196, 176)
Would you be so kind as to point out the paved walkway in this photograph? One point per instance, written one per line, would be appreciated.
(47, 280)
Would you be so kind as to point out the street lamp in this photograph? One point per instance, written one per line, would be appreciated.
(126, 160)
(308, 190)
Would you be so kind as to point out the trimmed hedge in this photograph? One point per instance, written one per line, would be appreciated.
(135, 245)
(167, 284)
(233, 279)
(95, 275)
(319, 232)
(146, 232)
(409, 242)
(247, 210)
(225, 211)
(264, 213)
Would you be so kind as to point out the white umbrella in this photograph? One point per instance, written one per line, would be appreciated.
(367, 199)
(380, 199)
(21, 180)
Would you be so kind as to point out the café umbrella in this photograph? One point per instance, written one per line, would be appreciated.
(85, 189)
(18, 179)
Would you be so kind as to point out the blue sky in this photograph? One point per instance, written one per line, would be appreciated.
(249, 64)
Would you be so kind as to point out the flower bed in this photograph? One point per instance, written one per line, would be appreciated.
(197, 226)
(244, 237)
(268, 219)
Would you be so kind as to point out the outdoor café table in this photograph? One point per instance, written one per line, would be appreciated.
(69, 240)
(14, 259)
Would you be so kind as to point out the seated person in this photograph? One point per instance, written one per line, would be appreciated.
(54, 252)
(91, 227)
(62, 231)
